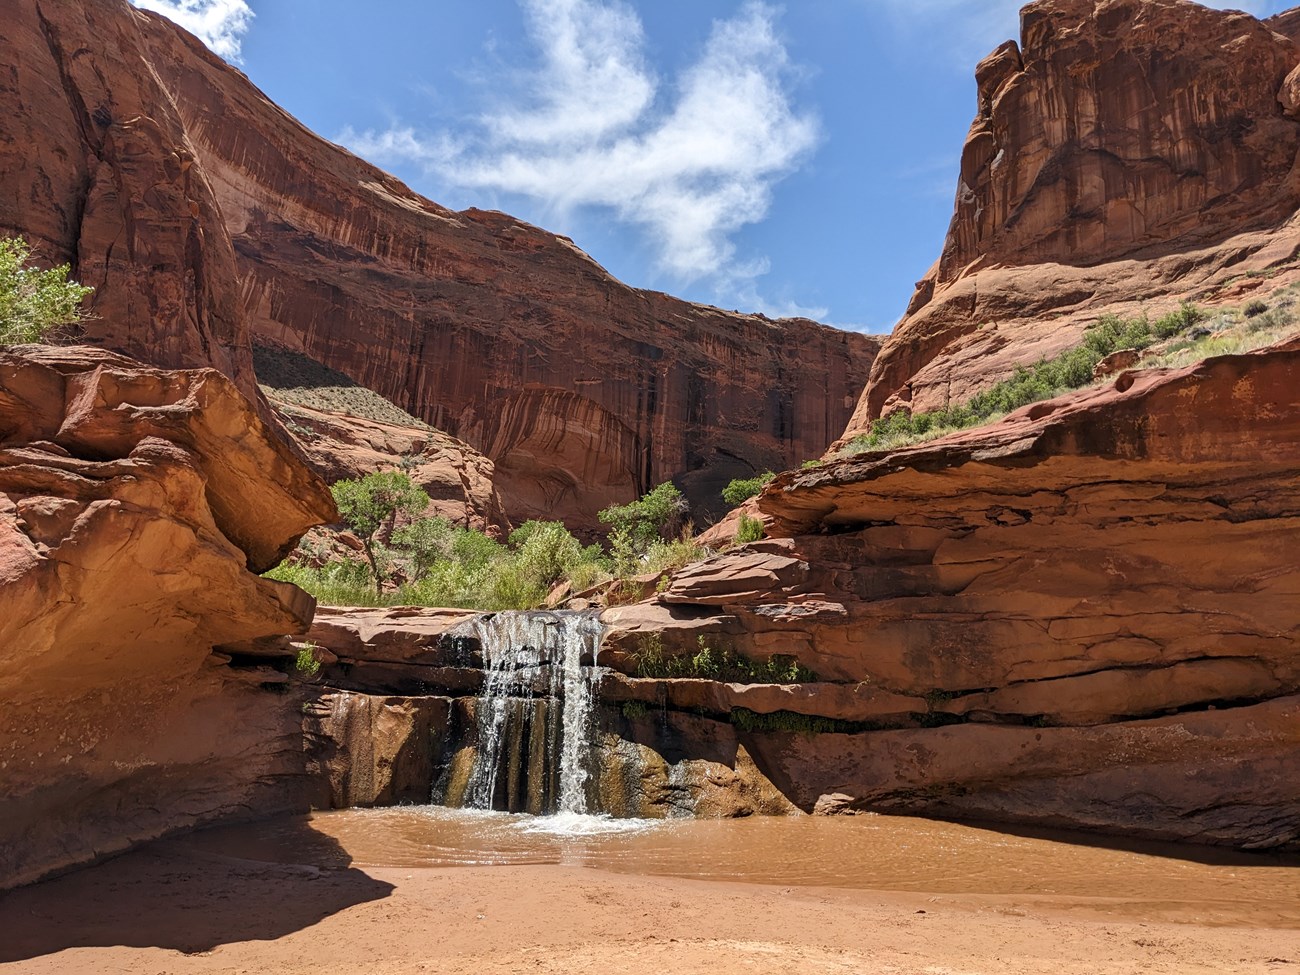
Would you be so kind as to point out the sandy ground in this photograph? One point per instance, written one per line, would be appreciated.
(169, 909)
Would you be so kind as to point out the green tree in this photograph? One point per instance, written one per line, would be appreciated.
(34, 302)
(426, 541)
(370, 508)
(637, 525)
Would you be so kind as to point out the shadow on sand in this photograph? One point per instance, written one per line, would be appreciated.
(179, 894)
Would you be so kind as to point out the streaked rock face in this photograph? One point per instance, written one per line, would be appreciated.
(1084, 615)
(97, 169)
(1126, 154)
(136, 506)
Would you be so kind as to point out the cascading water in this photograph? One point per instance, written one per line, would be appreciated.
(535, 721)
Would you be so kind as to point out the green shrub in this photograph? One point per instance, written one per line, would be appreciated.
(742, 489)
(34, 303)
(306, 663)
(1254, 308)
(637, 526)
(342, 583)
(749, 530)
(712, 662)
(635, 709)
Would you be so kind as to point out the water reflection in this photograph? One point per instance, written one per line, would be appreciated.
(1154, 881)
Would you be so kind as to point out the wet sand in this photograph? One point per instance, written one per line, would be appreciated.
(191, 906)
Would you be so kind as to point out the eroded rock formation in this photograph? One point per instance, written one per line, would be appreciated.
(1126, 154)
(458, 479)
(136, 507)
(1083, 615)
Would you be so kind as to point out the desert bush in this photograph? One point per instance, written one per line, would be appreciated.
(749, 530)
(35, 303)
(1045, 379)
(741, 490)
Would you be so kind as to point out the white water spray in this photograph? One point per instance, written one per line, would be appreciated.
(535, 685)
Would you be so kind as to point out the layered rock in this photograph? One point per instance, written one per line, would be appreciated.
(459, 480)
(1084, 615)
(581, 390)
(1126, 154)
(136, 507)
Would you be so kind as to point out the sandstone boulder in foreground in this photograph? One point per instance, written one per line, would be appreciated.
(136, 507)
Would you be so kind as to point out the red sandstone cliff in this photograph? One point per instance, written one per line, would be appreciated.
(136, 506)
(1084, 615)
(140, 157)
(1125, 154)
(581, 390)
(96, 169)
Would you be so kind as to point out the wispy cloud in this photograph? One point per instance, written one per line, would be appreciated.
(593, 127)
(220, 24)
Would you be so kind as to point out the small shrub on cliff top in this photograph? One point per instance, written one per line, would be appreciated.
(34, 303)
(741, 490)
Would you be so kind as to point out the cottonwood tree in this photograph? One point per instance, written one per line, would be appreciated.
(370, 508)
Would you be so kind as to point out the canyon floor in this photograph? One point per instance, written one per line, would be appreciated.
(183, 907)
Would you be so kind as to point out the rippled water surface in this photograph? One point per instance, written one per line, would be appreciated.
(862, 852)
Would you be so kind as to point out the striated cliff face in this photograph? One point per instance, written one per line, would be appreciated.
(96, 169)
(1125, 154)
(581, 390)
(206, 217)
(136, 506)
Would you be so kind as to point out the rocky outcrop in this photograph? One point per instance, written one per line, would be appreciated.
(97, 169)
(581, 390)
(1126, 154)
(136, 507)
(1084, 615)
(458, 479)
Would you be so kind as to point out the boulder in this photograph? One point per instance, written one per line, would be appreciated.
(136, 506)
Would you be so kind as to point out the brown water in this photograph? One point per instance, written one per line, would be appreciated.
(1135, 882)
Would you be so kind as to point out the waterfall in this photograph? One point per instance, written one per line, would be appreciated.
(535, 720)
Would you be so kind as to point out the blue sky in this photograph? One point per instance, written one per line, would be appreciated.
(796, 159)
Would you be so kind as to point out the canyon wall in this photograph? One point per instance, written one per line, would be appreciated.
(581, 390)
(1126, 154)
(1084, 615)
(136, 507)
(97, 170)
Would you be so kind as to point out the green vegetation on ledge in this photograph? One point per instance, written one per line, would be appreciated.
(720, 664)
(412, 560)
(1045, 379)
(742, 489)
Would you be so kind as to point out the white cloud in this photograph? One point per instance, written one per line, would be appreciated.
(217, 23)
(690, 163)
